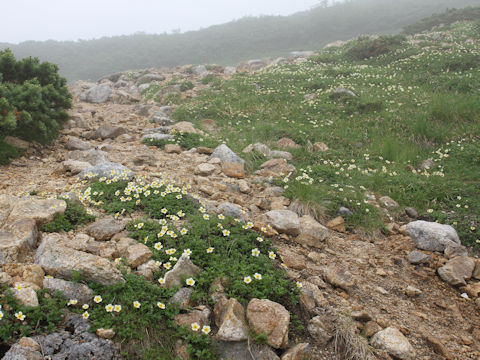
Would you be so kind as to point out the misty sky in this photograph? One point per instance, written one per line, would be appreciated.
(87, 19)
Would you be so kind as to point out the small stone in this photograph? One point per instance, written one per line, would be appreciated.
(337, 224)
(233, 169)
(185, 127)
(262, 149)
(312, 233)
(270, 318)
(205, 169)
(393, 341)
(182, 297)
(476, 272)
(284, 221)
(457, 270)
(292, 259)
(275, 154)
(388, 203)
(438, 347)
(371, 328)
(29, 342)
(473, 289)
(276, 168)
(199, 315)
(344, 212)
(412, 291)
(109, 132)
(26, 296)
(411, 212)
(322, 329)
(70, 290)
(320, 147)
(431, 236)
(339, 278)
(286, 143)
(74, 143)
(172, 149)
(427, 164)
(229, 209)
(453, 250)
(205, 150)
(75, 167)
(243, 186)
(417, 257)
(230, 318)
(209, 125)
(361, 315)
(105, 229)
(105, 333)
(224, 153)
(137, 255)
(183, 268)
(298, 352)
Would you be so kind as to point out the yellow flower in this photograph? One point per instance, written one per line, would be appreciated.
(161, 305)
(18, 286)
(195, 326)
(136, 304)
(247, 279)
(472, 228)
(85, 315)
(210, 250)
(117, 308)
(206, 329)
(430, 211)
(190, 282)
(109, 308)
(97, 299)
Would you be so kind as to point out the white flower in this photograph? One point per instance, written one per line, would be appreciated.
(190, 282)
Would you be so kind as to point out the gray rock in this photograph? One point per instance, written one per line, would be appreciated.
(411, 212)
(344, 91)
(453, 250)
(74, 166)
(200, 70)
(344, 212)
(108, 170)
(109, 132)
(387, 202)
(302, 53)
(183, 268)
(142, 109)
(71, 290)
(60, 261)
(104, 229)
(284, 221)
(431, 236)
(74, 143)
(224, 153)
(98, 94)
(42, 211)
(161, 118)
(17, 240)
(321, 329)
(276, 154)
(229, 209)
(393, 341)
(148, 78)
(457, 270)
(77, 343)
(241, 350)
(261, 148)
(312, 233)
(19, 352)
(156, 136)
(182, 297)
(417, 257)
(91, 156)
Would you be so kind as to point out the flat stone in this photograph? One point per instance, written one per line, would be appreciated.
(393, 341)
(109, 170)
(230, 318)
(276, 154)
(74, 143)
(42, 211)
(276, 168)
(137, 255)
(109, 132)
(17, 240)
(320, 147)
(205, 150)
(286, 143)
(322, 329)
(339, 278)
(388, 203)
(183, 268)
(60, 261)
(205, 169)
(172, 149)
(453, 250)
(233, 169)
(230, 209)
(284, 221)
(91, 156)
(312, 233)
(337, 224)
(105, 333)
(71, 290)
(75, 167)
(457, 270)
(298, 352)
(105, 229)
(270, 318)
(431, 236)
(416, 257)
(185, 127)
(157, 136)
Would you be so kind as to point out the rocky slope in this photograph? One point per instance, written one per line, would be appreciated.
(413, 294)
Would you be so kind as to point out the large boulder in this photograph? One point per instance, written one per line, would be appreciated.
(183, 268)
(40, 210)
(74, 143)
(230, 319)
(284, 221)
(60, 261)
(108, 170)
(104, 229)
(17, 240)
(312, 233)
(457, 270)
(270, 318)
(224, 153)
(71, 290)
(431, 236)
(393, 341)
(98, 94)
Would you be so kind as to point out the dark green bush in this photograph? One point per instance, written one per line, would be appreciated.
(187, 85)
(33, 98)
(365, 47)
(74, 215)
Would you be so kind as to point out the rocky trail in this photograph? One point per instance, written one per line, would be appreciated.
(387, 285)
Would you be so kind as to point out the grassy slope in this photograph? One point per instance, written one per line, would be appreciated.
(236, 41)
(417, 102)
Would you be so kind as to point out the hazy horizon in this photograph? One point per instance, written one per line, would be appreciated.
(88, 19)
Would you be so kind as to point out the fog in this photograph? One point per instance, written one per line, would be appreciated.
(88, 19)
